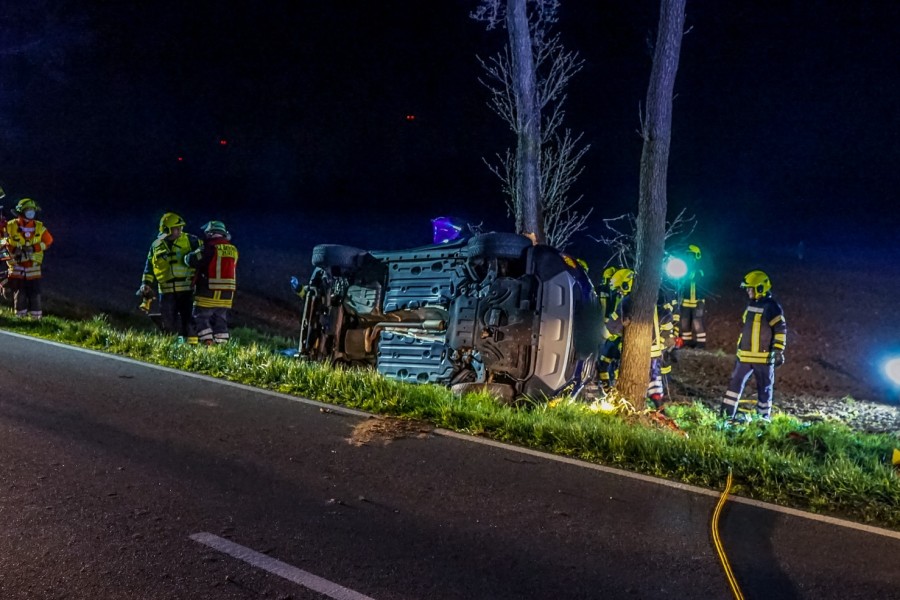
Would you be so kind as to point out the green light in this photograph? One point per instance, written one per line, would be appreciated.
(675, 268)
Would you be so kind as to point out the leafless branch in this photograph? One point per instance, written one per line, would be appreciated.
(560, 154)
(619, 237)
(621, 234)
(491, 12)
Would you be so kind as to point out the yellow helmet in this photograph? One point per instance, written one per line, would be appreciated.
(583, 264)
(695, 250)
(168, 221)
(758, 282)
(622, 280)
(24, 204)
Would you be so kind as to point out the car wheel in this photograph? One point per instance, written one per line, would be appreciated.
(335, 255)
(498, 245)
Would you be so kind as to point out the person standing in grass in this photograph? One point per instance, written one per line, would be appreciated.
(26, 239)
(215, 283)
(166, 270)
(692, 305)
(760, 347)
(622, 283)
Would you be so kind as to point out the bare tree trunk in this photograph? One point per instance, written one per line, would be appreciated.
(651, 220)
(528, 116)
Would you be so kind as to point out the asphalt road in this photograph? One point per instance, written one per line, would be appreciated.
(111, 471)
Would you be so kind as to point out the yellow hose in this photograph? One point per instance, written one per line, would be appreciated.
(717, 541)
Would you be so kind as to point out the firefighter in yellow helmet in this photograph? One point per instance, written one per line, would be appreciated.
(167, 274)
(608, 298)
(26, 239)
(622, 282)
(692, 309)
(760, 346)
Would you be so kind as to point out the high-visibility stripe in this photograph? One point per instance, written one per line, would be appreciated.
(175, 285)
(217, 300)
(754, 335)
(746, 356)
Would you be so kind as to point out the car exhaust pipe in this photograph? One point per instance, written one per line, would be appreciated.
(427, 325)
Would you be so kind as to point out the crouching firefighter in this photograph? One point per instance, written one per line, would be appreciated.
(215, 283)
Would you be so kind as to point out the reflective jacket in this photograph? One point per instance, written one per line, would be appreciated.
(662, 322)
(216, 279)
(764, 332)
(691, 300)
(26, 240)
(166, 267)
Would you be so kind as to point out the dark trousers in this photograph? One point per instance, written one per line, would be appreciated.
(26, 296)
(765, 384)
(175, 310)
(693, 329)
(211, 324)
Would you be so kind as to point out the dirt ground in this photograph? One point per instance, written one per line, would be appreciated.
(839, 305)
(839, 310)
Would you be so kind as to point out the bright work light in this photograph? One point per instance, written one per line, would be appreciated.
(675, 268)
(892, 370)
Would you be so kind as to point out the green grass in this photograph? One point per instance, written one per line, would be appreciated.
(823, 467)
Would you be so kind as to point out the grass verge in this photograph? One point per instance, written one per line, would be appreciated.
(822, 467)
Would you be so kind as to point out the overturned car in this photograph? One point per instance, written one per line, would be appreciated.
(492, 311)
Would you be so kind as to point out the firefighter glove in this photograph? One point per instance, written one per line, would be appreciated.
(779, 358)
(679, 342)
(145, 291)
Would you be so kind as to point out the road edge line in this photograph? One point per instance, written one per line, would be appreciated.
(485, 441)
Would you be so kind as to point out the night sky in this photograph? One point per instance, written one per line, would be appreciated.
(785, 120)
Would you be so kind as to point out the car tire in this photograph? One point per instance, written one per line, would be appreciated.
(498, 245)
(335, 255)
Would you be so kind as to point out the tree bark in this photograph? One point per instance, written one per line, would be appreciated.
(528, 123)
(651, 219)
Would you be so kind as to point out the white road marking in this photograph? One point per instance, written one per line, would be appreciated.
(488, 442)
(276, 567)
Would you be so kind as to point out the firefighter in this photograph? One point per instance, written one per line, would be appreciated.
(167, 271)
(693, 306)
(622, 282)
(215, 283)
(618, 282)
(760, 346)
(608, 298)
(26, 239)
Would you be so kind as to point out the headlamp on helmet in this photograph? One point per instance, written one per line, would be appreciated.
(757, 281)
